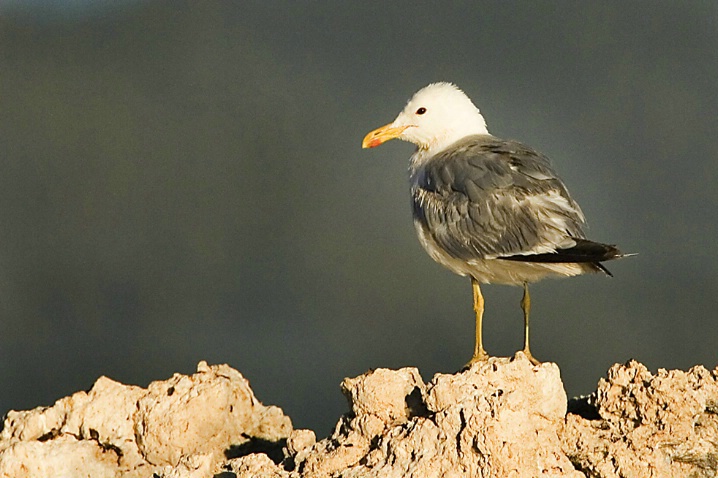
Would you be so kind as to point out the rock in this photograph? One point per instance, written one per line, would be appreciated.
(256, 465)
(501, 418)
(300, 440)
(663, 425)
(204, 413)
(62, 456)
(185, 426)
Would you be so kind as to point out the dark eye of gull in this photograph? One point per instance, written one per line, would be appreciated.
(421, 111)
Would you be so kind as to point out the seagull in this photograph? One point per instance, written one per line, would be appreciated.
(487, 208)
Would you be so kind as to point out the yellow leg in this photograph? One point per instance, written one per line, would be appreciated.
(526, 306)
(479, 352)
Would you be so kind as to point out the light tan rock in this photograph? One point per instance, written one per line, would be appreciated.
(383, 393)
(256, 465)
(203, 413)
(63, 456)
(88, 418)
(192, 466)
(663, 425)
(100, 419)
(501, 418)
(27, 425)
(178, 427)
(300, 440)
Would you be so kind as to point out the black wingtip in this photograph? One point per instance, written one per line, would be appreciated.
(584, 251)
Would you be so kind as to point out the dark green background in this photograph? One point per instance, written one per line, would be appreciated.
(183, 181)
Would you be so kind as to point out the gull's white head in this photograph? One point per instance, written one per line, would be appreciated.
(435, 117)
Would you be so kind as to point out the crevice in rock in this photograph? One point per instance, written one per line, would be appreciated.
(415, 404)
(225, 474)
(580, 465)
(582, 407)
(461, 429)
(55, 432)
(273, 449)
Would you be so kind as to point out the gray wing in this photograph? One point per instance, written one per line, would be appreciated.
(485, 198)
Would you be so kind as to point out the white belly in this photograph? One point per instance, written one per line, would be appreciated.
(500, 271)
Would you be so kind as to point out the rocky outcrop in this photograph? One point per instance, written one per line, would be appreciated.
(502, 418)
(184, 426)
(495, 419)
(645, 425)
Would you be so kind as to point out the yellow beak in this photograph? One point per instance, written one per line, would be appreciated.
(382, 135)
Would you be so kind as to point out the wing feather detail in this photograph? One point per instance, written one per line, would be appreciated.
(488, 198)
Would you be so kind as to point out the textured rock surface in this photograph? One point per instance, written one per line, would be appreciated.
(500, 418)
(503, 418)
(663, 425)
(184, 426)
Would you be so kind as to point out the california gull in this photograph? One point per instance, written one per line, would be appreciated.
(488, 208)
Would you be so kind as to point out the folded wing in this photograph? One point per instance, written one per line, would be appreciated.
(488, 198)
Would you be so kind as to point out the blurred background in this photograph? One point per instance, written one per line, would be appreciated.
(183, 181)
